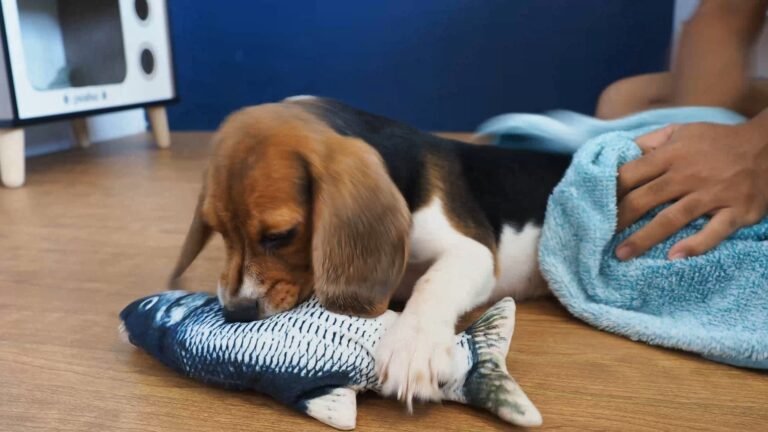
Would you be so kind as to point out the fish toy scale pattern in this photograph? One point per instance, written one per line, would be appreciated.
(316, 361)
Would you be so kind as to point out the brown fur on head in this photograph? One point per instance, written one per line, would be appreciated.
(301, 209)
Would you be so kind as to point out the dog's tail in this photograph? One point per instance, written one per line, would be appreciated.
(488, 384)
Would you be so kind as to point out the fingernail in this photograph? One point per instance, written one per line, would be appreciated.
(677, 256)
(624, 253)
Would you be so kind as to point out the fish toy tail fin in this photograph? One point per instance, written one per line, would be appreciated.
(488, 384)
(337, 408)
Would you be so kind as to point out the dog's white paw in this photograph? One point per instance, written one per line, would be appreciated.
(412, 358)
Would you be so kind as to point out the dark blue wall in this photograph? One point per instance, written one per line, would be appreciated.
(437, 64)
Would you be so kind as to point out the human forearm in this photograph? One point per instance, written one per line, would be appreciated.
(714, 53)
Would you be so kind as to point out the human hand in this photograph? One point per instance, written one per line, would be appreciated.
(706, 169)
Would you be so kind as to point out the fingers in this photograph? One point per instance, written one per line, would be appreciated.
(722, 225)
(650, 165)
(381, 370)
(640, 171)
(652, 140)
(667, 222)
(640, 201)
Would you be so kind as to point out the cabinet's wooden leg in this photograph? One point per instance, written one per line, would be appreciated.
(12, 157)
(158, 120)
(80, 130)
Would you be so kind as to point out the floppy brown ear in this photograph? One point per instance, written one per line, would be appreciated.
(361, 229)
(197, 236)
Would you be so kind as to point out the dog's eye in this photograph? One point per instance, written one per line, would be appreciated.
(276, 239)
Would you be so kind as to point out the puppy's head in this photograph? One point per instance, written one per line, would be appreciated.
(301, 209)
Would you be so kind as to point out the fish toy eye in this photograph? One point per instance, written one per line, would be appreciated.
(148, 303)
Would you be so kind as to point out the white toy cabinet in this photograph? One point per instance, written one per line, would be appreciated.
(72, 58)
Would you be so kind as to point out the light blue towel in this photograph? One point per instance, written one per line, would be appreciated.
(715, 305)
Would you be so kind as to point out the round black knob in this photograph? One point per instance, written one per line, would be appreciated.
(142, 9)
(147, 61)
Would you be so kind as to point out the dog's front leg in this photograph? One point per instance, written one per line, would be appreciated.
(416, 352)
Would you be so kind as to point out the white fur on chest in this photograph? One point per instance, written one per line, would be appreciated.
(432, 235)
(517, 255)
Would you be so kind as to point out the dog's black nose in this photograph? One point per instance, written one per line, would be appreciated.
(241, 313)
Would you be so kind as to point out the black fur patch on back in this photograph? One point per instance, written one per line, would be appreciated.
(511, 186)
(401, 146)
(484, 186)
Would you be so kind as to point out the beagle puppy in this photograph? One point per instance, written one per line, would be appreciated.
(314, 197)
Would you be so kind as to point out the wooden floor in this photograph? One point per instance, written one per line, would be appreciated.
(94, 229)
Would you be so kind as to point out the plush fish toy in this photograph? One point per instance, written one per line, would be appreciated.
(314, 360)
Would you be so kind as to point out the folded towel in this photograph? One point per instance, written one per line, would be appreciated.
(715, 305)
(566, 131)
